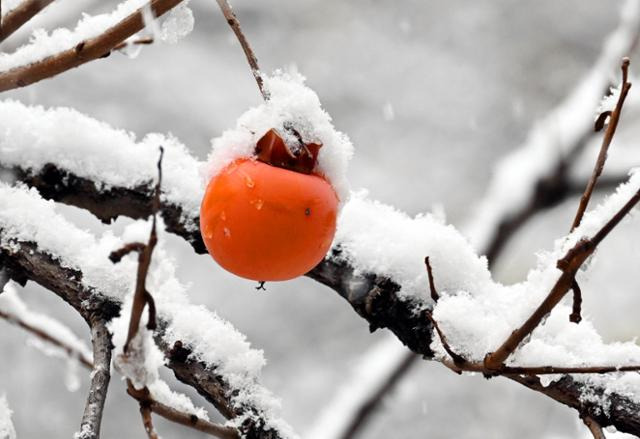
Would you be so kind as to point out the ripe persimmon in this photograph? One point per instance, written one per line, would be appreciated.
(272, 217)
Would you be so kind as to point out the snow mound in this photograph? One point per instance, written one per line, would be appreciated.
(290, 102)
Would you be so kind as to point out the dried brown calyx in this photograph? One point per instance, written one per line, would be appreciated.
(272, 149)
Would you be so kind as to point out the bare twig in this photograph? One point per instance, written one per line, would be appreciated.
(49, 338)
(87, 50)
(101, 340)
(139, 42)
(457, 358)
(232, 20)
(141, 296)
(576, 311)
(192, 421)
(606, 142)
(147, 421)
(569, 264)
(594, 427)
(432, 286)
(15, 18)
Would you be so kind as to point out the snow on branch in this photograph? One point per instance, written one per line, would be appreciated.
(386, 284)
(217, 362)
(94, 37)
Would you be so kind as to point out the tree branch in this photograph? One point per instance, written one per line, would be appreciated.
(372, 297)
(83, 52)
(614, 117)
(15, 18)
(100, 377)
(30, 263)
(192, 421)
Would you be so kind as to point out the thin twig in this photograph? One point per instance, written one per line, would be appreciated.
(143, 396)
(141, 296)
(85, 51)
(569, 264)
(49, 338)
(15, 18)
(100, 377)
(478, 366)
(432, 286)
(606, 142)
(594, 427)
(147, 421)
(457, 358)
(139, 42)
(232, 20)
(576, 311)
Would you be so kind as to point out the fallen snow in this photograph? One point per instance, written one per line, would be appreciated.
(6, 426)
(211, 339)
(290, 101)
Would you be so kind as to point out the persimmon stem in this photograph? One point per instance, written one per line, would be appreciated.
(234, 23)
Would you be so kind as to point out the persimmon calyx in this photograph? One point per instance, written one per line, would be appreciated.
(272, 149)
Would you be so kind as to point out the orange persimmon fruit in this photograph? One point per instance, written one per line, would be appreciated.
(269, 218)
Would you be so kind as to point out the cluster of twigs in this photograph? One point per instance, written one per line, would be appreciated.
(372, 297)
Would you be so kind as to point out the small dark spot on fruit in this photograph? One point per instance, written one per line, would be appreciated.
(307, 211)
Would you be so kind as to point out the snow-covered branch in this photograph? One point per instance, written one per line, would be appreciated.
(219, 363)
(386, 285)
(95, 37)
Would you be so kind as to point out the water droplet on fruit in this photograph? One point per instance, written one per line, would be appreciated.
(249, 181)
(223, 216)
(227, 232)
(257, 203)
(208, 233)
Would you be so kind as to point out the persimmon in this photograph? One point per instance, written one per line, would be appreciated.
(271, 217)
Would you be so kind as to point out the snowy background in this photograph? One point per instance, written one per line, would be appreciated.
(431, 93)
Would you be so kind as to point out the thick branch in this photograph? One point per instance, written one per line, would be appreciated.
(29, 263)
(15, 18)
(83, 52)
(371, 296)
(101, 340)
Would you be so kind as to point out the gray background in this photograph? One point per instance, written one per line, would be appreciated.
(466, 81)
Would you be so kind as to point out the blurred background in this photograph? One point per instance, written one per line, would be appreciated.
(432, 94)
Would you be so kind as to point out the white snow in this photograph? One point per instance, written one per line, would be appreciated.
(177, 23)
(290, 101)
(31, 137)
(211, 338)
(377, 238)
(516, 174)
(43, 44)
(6, 426)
